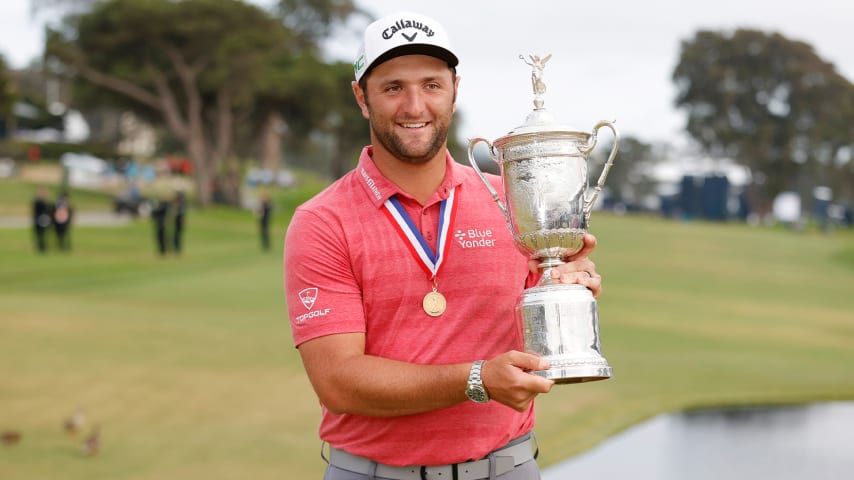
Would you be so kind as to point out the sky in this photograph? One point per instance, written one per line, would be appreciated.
(611, 60)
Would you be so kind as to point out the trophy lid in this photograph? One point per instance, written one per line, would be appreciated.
(540, 120)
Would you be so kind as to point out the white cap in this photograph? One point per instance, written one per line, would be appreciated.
(402, 33)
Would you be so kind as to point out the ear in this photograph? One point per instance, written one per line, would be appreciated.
(456, 89)
(360, 99)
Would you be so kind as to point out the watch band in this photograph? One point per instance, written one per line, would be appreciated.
(474, 373)
(475, 390)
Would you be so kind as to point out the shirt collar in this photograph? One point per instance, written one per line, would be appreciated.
(379, 189)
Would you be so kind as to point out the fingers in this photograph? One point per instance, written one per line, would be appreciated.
(534, 265)
(508, 381)
(589, 245)
(578, 269)
(591, 280)
(527, 361)
(581, 272)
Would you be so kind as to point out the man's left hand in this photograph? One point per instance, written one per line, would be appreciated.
(578, 268)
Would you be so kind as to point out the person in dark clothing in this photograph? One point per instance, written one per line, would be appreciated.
(159, 215)
(180, 209)
(42, 215)
(265, 209)
(62, 214)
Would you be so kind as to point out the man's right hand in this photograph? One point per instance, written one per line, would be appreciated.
(508, 381)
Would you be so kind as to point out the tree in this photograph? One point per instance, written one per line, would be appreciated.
(769, 103)
(194, 63)
(311, 21)
(343, 128)
(630, 181)
(7, 95)
(292, 80)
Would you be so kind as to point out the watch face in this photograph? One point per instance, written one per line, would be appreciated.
(476, 393)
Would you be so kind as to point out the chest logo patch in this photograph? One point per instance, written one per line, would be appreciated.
(475, 238)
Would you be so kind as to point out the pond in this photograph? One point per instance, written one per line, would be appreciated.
(813, 442)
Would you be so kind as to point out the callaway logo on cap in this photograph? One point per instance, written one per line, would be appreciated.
(402, 33)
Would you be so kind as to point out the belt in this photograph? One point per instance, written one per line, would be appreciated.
(506, 459)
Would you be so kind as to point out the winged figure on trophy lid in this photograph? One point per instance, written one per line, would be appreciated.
(537, 64)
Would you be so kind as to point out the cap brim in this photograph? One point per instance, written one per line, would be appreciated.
(414, 49)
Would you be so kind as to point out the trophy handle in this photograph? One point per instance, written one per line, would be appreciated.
(588, 202)
(480, 174)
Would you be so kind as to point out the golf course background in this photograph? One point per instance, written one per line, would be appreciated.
(186, 363)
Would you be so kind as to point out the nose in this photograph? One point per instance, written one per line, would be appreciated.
(413, 102)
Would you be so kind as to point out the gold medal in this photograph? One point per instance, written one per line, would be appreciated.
(434, 303)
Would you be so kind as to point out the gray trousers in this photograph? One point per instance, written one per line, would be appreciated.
(526, 471)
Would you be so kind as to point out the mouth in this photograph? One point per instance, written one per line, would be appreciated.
(413, 125)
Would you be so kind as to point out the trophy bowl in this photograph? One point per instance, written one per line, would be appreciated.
(544, 172)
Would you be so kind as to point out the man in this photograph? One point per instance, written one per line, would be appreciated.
(264, 213)
(180, 209)
(42, 216)
(62, 215)
(159, 215)
(405, 325)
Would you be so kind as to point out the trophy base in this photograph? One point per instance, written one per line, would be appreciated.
(563, 375)
(560, 322)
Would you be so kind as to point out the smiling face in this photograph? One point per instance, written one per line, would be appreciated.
(409, 101)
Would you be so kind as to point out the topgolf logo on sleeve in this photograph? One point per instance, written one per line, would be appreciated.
(308, 296)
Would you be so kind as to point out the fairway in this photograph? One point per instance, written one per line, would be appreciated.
(187, 365)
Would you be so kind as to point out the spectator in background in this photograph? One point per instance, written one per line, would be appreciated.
(62, 214)
(34, 153)
(159, 214)
(265, 209)
(42, 215)
(180, 209)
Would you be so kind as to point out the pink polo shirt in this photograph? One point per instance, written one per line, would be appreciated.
(347, 270)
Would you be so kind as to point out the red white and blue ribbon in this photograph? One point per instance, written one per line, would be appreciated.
(431, 262)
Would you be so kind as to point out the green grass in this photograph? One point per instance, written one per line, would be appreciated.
(188, 366)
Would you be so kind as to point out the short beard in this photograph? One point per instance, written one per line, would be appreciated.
(395, 146)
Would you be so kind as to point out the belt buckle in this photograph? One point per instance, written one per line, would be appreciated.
(439, 471)
(476, 469)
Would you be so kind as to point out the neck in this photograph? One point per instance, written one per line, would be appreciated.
(420, 180)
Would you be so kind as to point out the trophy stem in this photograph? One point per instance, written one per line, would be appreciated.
(548, 264)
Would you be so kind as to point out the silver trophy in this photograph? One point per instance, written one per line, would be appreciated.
(543, 167)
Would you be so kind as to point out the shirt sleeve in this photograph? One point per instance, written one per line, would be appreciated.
(323, 296)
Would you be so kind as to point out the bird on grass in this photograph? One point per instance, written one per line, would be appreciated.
(10, 437)
(92, 444)
(75, 422)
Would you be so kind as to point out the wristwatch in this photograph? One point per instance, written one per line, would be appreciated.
(475, 389)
